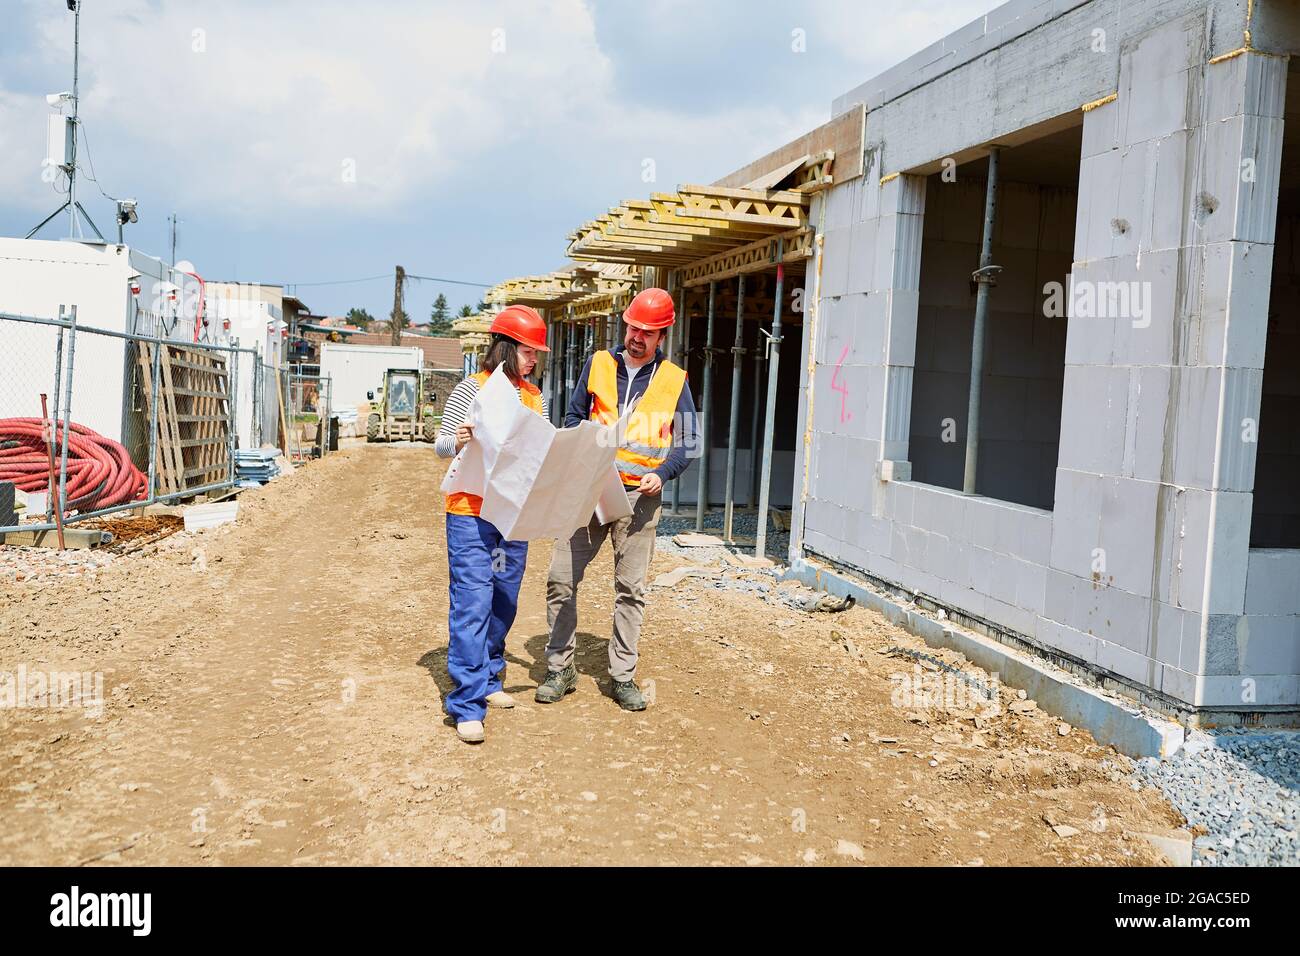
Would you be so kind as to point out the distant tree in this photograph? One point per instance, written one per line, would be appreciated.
(360, 318)
(440, 317)
(466, 311)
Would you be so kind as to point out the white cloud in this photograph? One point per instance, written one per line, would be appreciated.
(255, 130)
(261, 110)
(252, 104)
(883, 34)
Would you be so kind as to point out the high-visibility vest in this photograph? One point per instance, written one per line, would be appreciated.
(649, 436)
(462, 502)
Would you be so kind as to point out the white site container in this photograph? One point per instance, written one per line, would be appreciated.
(358, 369)
(115, 288)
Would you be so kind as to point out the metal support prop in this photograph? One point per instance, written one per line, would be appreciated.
(984, 276)
(733, 431)
(557, 387)
(547, 376)
(570, 348)
(680, 344)
(754, 416)
(769, 420)
(560, 360)
(702, 497)
(557, 372)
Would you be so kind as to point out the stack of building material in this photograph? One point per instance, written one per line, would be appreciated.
(347, 422)
(254, 467)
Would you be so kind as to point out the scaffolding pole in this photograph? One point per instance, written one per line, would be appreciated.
(984, 276)
(548, 370)
(751, 499)
(769, 420)
(733, 431)
(570, 341)
(702, 501)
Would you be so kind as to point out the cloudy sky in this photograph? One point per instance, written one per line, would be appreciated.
(310, 142)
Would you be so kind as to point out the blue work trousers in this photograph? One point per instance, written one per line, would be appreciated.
(486, 571)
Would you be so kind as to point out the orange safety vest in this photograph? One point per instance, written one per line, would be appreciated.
(649, 437)
(462, 502)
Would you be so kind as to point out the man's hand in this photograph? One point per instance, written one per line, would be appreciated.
(464, 435)
(651, 484)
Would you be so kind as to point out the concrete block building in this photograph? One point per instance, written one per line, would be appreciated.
(1036, 287)
(1129, 502)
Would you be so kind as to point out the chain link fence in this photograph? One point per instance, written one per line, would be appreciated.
(313, 433)
(94, 421)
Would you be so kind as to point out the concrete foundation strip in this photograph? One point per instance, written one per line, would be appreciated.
(1113, 722)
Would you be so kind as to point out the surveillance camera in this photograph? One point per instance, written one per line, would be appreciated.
(57, 99)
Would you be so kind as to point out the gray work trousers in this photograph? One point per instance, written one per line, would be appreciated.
(634, 544)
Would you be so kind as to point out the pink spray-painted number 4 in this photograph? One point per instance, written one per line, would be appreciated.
(838, 386)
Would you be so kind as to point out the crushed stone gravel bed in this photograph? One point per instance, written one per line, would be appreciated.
(744, 525)
(1240, 791)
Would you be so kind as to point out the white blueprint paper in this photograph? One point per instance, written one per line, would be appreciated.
(536, 481)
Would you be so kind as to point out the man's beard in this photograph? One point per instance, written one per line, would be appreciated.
(637, 349)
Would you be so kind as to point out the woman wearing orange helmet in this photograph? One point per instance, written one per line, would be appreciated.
(485, 569)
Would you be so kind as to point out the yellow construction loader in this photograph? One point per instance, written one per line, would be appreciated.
(399, 412)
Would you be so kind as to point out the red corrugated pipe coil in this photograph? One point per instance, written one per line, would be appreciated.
(100, 472)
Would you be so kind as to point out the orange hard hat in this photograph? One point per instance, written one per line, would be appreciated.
(651, 309)
(522, 324)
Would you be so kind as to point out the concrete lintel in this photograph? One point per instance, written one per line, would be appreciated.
(1116, 723)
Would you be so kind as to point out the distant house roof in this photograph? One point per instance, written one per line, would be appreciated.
(439, 351)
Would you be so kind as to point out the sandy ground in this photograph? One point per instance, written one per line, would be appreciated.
(272, 696)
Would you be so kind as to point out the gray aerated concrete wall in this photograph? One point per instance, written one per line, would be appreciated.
(1134, 562)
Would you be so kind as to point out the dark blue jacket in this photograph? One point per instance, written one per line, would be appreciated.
(685, 443)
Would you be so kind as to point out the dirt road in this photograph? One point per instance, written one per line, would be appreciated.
(272, 695)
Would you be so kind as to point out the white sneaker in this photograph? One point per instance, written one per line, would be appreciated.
(500, 699)
(470, 731)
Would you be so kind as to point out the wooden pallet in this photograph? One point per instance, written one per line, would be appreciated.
(193, 446)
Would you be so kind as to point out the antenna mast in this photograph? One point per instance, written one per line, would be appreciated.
(73, 205)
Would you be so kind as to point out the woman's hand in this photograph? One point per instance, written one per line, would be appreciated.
(464, 435)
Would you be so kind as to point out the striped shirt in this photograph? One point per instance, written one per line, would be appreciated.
(456, 410)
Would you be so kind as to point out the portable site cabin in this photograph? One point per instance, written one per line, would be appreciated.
(117, 289)
(356, 370)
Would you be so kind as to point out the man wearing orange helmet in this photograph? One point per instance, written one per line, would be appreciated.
(660, 432)
(484, 569)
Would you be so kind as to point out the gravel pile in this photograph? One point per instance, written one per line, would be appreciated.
(1243, 787)
(744, 525)
(20, 565)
